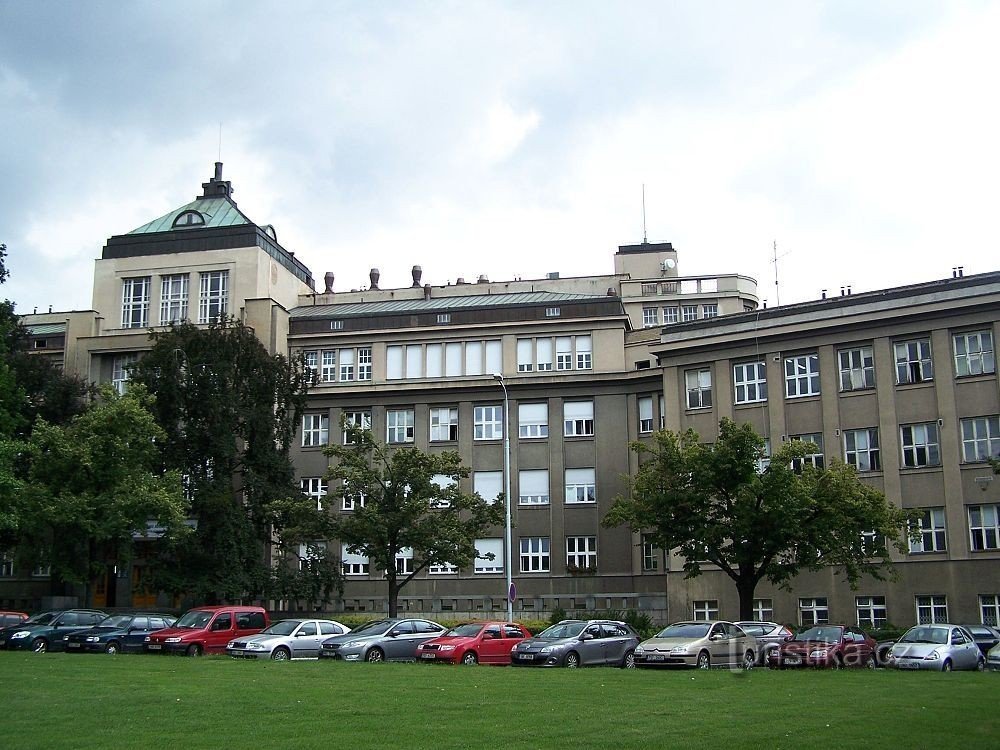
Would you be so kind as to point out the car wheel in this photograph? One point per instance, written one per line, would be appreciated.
(749, 661)
(883, 654)
(572, 660)
(946, 667)
(628, 661)
(281, 654)
(837, 662)
(470, 659)
(39, 645)
(704, 660)
(193, 650)
(981, 665)
(375, 655)
(113, 648)
(870, 664)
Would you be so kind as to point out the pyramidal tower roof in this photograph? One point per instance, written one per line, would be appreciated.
(215, 207)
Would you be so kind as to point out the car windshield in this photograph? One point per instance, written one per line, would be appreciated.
(466, 631)
(196, 618)
(691, 630)
(925, 634)
(825, 634)
(282, 627)
(115, 621)
(43, 618)
(562, 630)
(375, 627)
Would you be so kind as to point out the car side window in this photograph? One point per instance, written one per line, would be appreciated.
(223, 622)
(248, 620)
(328, 628)
(613, 631)
(957, 638)
(403, 628)
(156, 623)
(594, 630)
(492, 633)
(307, 628)
(140, 623)
(716, 630)
(426, 627)
(512, 631)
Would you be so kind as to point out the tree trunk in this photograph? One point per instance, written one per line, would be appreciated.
(746, 587)
(393, 596)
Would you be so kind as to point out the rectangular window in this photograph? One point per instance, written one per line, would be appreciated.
(920, 445)
(214, 300)
(488, 485)
(689, 312)
(444, 317)
(913, 361)
(933, 537)
(399, 426)
(584, 354)
(444, 482)
(581, 486)
(135, 302)
(489, 556)
(710, 310)
(802, 376)
(812, 459)
(404, 561)
(974, 353)
(352, 501)
(535, 554)
(525, 355)
(310, 361)
(699, 388)
(41, 571)
(763, 610)
(532, 421)
(474, 358)
(564, 353)
(6, 567)
(984, 527)
(861, 449)
(444, 424)
(581, 553)
(364, 363)
(705, 609)
(347, 365)
(354, 564)
(328, 365)
(578, 419)
(671, 314)
(663, 412)
(435, 360)
(932, 609)
(394, 362)
(646, 414)
(857, 368)
(980, 438)
(173, 299)
(533, 487)
(750, 381)
(452, 359)
(552, 312)
(989, 609)
(543, 354)
(487, 423)
(813, 611)
(362, 419)
(315, 488)
(441, 569)
(315, 430)
(871, 611)
(650, 555)
(121, 368)
(650, 317)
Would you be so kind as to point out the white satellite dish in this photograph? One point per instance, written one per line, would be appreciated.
(668, 264)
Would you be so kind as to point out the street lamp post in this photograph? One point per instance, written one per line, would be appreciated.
(509, 562)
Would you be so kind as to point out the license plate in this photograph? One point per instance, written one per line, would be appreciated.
(236, 652)
(655, 657)
(73, 645)
(426, 656)
(906, 665)
(3, 642)
(154, 646)
(525, 656)
(792, 660)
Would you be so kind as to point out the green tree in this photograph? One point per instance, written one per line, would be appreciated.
(230, 411)
(714, 504)
(412, 501)
(93, 484)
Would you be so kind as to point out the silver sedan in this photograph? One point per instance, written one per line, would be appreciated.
(286, 639)
(940, 647)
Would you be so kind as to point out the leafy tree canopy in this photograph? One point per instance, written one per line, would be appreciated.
(716, 504)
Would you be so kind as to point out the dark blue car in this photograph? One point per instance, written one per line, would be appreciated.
(48, 631)
(119, 633)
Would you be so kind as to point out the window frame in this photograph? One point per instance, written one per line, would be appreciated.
(931, 530)
(860, 366)
(923, 454)
(814, 605)
(136, 292)
(872, 449)
(578, 426)
(986, 357)
(528, 424)
(487, 422)
(984, 536)
(990, 424)
(803, 380)
(587, 485)
(698, 389)
(315, 434)
(213, 299)
(936, 606)
(443, 431)
(587, 554)
(399, 432)
(747, 390)
(914, 361)
(536, 552)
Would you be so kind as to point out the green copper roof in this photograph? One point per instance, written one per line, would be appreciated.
(390, 307)
(215, 212)
(42, 329)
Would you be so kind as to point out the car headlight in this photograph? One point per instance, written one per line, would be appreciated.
(175, 639)
(932, 656)
(640, 650)
(92, 639)
(447, 648)
(820, 653)
(679, 651)
(546, 650)
(146, 639)
(254, 646)
(352, 644)
(21, 634)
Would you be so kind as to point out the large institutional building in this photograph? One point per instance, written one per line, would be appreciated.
(901, 383)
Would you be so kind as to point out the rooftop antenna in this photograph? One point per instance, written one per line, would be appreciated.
(775, 258)
(644, 240)
(220, 142)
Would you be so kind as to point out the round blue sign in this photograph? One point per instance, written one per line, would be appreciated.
(512, 593)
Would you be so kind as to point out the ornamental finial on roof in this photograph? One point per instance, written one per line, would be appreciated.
(217, 187)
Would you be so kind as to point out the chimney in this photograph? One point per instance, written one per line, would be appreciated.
(217, 187)
(961, 271)
(848, 290)
(823, 292)
(460, 280)
(373, 276)
(482, 279)
(416, 272)
(218, 171)
(427, 291)
(328, 278)
(841, 291)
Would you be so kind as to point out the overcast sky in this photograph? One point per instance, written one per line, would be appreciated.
(510, 138)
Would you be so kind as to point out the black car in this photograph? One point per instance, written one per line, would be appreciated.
(985, 636)
(119, 633)
(48, 631)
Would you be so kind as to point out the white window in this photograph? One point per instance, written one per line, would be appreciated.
(487, 423)
(399, 426)
(135, 302)
(671, 314)
(564, 353)
(581, 486)
(750, 381)
(584, 355)
(581, 553)
(706, 609)
(764, 461)
(871, 611)
(525, 355)
(535, 554)
(857, 368)
(364, 363)
(354, 500)
(310, 360)
(474, 358)
(861, 449)
(533, 487)
(328, 366)
(488, 485)
(354, 563)
(347, 365)
(974, 353)
(699, 388)
(444, 424)
(650, 554)
(41, 571)
(932, 609)
(121, 368)
(663, 412)
(532, 421)
(315, 488)
(920, 444)
(444, 318)
(543, 355)
(710, 310)
(802, 376)
(414, 361)
(6, 566)
(763, 610)
(441, 569)
(689, 312)
(578, 418)
(315, 430)
(646, 414)
(989, 609)
(980, 438)
(362, 419)
(913, 361)
(813, 459)
(443, 481)
(813, 611)
(404, 561)
(173, 299)
(552, 312)
(308, 553)
(650, 317)
(453, 359)
(394, 362)
(984, 527)
(489, 556)
(214, 300)
(933, 537)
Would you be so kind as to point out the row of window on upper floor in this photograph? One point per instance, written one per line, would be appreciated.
(678, 313)
(213, 298)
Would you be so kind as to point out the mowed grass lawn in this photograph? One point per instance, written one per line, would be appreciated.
(96, 701)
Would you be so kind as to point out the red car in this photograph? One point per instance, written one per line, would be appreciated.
(474, 643)
(826, 646)
(8, 618)
(207, 630)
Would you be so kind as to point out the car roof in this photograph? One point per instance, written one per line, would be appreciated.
(217, 607)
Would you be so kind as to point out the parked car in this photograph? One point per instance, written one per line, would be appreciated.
(826, 646)
(579, 643)
(985, 636)
(207, 630)
(474, 643)
(8, 618)
(391, 639)
(941, 647)
(993, 659)
(768, 635)
(701, 644)
(119, 633)
(48, 631)
(286, 639)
